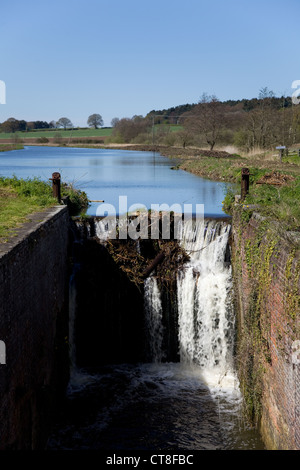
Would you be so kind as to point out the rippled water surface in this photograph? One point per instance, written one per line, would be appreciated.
(154, 407)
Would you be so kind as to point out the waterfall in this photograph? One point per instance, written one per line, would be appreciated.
(153, 319)
(205, 312)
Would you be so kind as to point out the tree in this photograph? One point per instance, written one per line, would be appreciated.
(114, 121)
(262, 120)
(10, 125)
(207, 119)
(64, 122)
(95, 120)
(127, 129)
(185, 137)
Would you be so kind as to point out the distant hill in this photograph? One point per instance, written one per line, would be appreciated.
(165, 115)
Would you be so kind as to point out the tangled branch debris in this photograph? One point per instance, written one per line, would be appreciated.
(143, 257)
(127, 254)
(275, 178)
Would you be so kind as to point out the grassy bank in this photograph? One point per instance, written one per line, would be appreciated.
(7, 147)
(19, 198)
(274, 185)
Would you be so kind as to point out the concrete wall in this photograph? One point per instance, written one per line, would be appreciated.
(33, 327)
(266, 265)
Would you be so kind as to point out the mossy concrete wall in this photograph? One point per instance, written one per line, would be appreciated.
(33, 327)
(266, 266)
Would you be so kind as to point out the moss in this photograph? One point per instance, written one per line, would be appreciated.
(292, 297)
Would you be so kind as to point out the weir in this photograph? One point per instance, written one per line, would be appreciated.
(153, 361)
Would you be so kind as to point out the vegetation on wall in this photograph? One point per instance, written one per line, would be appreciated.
(260, 253)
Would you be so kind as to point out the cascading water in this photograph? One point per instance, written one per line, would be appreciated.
(153, 320)
(205, 313)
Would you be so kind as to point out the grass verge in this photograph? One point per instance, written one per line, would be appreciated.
(7, 147)
(274, 186)
(21, 197)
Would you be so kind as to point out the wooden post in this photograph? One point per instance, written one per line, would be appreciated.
(245, 182)
(281, 154)
(56, 186)
(281, 149)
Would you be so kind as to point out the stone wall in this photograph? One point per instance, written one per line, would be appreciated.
(33, 327)
(266, 266)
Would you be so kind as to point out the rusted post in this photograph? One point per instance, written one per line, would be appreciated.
(245, 182)
(56, 186)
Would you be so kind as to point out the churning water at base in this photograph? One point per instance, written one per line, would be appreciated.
(194, 404)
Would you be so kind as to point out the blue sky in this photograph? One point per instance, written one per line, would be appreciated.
(120, 58)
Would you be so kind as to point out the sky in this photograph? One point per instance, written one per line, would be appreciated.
(121, 58)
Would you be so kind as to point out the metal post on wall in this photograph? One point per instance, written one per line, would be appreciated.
(56, 186)
(245, 182)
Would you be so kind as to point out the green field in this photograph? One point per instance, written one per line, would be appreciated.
(35, 134)
(77, 132)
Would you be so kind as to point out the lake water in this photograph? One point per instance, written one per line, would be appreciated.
(145, 178)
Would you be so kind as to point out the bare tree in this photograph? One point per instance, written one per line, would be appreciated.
(127, 129)
(261, 122)
(185, 136)
(114, 121)
(206, 119)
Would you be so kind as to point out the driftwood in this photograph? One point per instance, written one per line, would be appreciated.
(157, 260)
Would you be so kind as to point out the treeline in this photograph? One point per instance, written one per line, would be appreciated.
(15, 125)
(263, 122)
(170, 115)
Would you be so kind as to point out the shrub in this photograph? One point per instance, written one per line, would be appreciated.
(42, 140)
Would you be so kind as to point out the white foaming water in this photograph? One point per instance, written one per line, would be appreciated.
(205, 313)
(153, 317)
